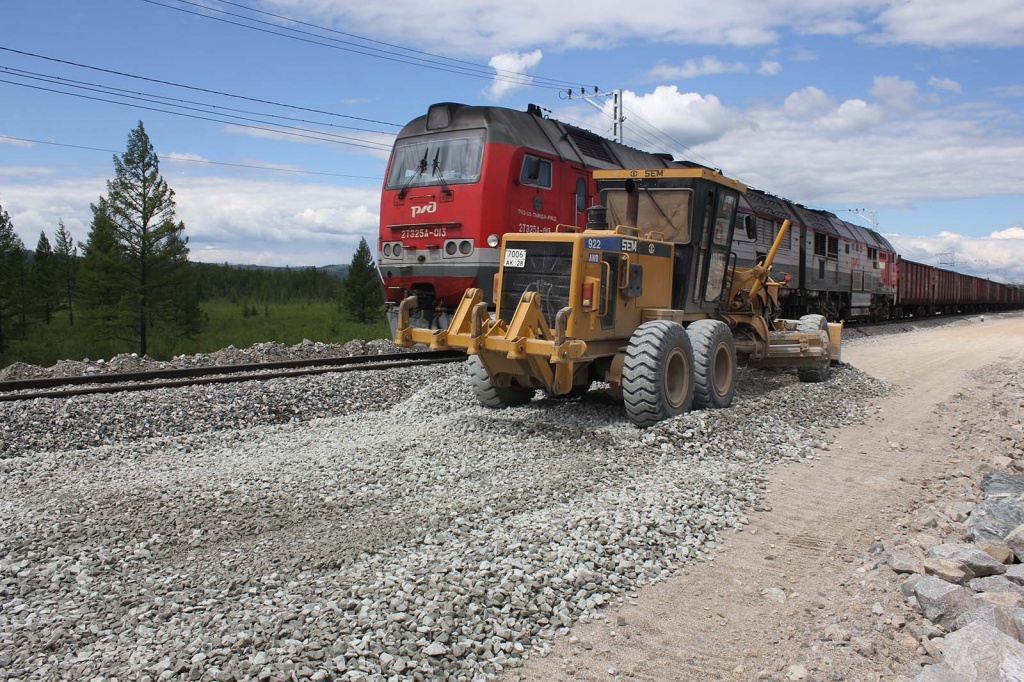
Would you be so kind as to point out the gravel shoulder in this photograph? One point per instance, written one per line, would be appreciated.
(799, 593)
(412, 534)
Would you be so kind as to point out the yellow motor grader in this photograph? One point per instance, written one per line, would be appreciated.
(647, 299)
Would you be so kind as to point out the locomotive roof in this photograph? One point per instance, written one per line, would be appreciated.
(530, 129)
(763, 203)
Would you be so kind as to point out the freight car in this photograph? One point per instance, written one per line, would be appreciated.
(461, 177)
(925, 290)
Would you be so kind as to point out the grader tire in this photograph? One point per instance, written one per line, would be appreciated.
(714, 364)
(813, 323)
(657, 375)
(489, 395)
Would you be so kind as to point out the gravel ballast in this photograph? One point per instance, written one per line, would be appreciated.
(411, 535)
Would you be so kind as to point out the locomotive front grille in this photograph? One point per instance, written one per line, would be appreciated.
(547, 270)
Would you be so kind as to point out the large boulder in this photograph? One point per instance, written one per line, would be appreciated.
(979, 651)
(1001, 511)
(942, 602)
(975, 561)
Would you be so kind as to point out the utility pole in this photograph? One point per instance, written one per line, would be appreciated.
(871, 213)
(948, 257)
(618, 117)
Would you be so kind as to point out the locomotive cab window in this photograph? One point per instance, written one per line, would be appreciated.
(536, 172)
(446, 158)
(660, 210)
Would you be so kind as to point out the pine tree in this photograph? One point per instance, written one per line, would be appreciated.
(361, 292)
(151, 275)
(65, 270)
(101, 278)
(44, 291)
(12, 276)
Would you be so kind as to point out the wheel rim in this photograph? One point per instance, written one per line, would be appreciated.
(721, 369)
(677, 376)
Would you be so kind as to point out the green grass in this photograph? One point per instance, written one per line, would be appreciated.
(223, 325)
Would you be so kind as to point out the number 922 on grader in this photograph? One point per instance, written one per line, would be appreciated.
(648, 299)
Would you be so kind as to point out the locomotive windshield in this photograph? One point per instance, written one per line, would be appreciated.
(663, 210)
(446, 158)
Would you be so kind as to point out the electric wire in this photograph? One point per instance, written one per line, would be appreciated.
(686, 151)
(186, 159)
(372, 146)
(522, 79)
(196, 88)
(155, 99)
(552, 81)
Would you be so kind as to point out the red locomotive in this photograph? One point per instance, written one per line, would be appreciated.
(462, 176)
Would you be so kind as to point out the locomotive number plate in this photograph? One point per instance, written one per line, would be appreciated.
(515, 258)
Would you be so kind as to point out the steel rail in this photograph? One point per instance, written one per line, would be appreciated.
(219, 374)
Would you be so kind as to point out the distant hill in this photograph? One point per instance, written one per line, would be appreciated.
(339, 271)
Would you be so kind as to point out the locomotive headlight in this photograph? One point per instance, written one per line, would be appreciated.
(465, 247)
(450, 248)
(387, 250)
(493, 240)
(397, 251)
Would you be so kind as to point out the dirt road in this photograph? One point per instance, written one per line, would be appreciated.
(801, 594)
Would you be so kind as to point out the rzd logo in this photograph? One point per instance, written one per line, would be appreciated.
(425, 208)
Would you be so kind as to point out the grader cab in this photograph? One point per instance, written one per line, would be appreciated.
(647, 299)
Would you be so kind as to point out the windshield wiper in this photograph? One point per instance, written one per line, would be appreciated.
(421, 168)
(439, 174)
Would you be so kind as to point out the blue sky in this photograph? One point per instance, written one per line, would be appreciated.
(908, 109)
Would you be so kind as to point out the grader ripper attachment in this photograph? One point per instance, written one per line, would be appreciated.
(653, 305)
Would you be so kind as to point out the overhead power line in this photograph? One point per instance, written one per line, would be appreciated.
(552, 81)
(196, 88)
(292, 133)
(187, 159)
(201, 106)
(473, 70)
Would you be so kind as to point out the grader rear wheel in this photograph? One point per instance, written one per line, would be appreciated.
(714, 364)
(488, 393)
(813, 323)
(657, 375)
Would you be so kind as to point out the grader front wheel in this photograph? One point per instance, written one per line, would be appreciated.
(657, 375)
(813, 323)
(491, 395)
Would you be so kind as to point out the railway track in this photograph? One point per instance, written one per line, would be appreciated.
(119, 382)
(64, 387)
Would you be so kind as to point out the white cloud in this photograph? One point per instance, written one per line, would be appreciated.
(511, 70)
(999, 258)
(687, 117)
(769, 68)
(895, 92)
(852, 116)
(25, 171)
(181, 157)
(240, 221)
(692, 68)
(483, 27)
(944, 84)
(1009, 233)
(953, 23)
(810, 102)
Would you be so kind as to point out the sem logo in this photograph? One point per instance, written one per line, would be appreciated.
(426, 208)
